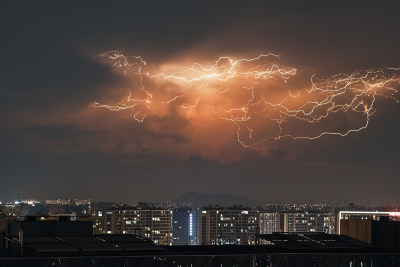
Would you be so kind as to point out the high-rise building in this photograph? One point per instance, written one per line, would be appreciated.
(228, 226)
(152, 223)
(185, 226)
(298, 222)
(268, 222)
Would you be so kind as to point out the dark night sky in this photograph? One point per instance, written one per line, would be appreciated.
(53, 145)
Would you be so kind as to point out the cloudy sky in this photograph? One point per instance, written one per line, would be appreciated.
(54, 142)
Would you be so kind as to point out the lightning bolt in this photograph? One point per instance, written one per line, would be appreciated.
(237, 90)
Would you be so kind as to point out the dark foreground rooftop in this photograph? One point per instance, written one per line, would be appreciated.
(66, 243)
(283, 249)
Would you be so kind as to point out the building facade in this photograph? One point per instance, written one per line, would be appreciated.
(98, 208)
(228, 226)
(366, 215)
(152, 223)
(185, 226)
(302, 222)
(268, 222)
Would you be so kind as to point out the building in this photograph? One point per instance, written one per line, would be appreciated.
(268, 222)
(302, 222)
(35, 209)
(228, 226)
(379, 233)
(366, 215)
(378, 228)
(152, 223)
(37, 235)
(97, 221)
(98, 208)
(185, 226)
(9, 209)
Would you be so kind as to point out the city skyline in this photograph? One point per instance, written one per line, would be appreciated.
(199, 200)
(60, 135)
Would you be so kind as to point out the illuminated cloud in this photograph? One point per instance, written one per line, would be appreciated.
(234, 104)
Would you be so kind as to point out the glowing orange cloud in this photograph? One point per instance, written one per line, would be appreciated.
(262, 100)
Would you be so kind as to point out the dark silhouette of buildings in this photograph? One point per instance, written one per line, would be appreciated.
(64, 242)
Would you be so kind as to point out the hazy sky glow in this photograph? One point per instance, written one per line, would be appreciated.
(223, 129)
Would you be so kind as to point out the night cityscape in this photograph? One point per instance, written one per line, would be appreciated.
(200, 133)
(189, 227)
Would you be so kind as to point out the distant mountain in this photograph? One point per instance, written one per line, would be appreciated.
(202, 200)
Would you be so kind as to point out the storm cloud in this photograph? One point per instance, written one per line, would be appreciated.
(54, 144)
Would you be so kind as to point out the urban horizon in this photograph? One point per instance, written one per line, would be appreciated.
(204, 196)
